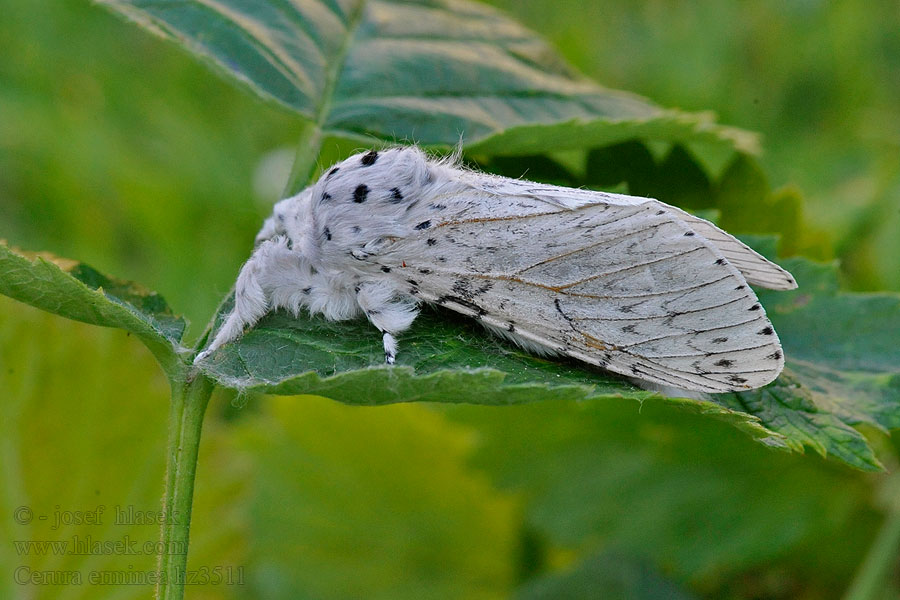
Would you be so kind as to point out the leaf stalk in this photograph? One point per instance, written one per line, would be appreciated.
(189, 401)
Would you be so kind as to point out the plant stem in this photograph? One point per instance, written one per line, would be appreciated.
(305, 159)
(872, 576)
(311, 137)
(189, 401)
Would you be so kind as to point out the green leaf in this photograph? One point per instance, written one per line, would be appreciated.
(427, 71)
(440, 356)
(678, 179)
(607, 575)
(76, 291)
(831, 383)
(699, 500)
(382, 507)
(843, 366)
(748, 205)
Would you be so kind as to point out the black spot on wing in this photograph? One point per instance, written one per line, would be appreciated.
(479, 312)
(423, 225)
(560, 310)
(463, 289)
(396, 196)
(564, 315)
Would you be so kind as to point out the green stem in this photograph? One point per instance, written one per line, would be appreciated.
(189, 401)
(311, 137)
(305, 159)
(872, 575)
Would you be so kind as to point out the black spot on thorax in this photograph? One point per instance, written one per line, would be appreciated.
(361, 193)
(369, 158)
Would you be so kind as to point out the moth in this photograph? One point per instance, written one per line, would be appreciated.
(628, 284)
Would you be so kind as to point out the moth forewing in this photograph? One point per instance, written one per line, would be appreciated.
(620, 282)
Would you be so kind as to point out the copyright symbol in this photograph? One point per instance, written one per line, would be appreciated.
(23, 515)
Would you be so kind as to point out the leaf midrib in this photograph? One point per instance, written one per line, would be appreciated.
(336, 66)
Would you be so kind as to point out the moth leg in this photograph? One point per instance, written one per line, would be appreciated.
(390, 348)
(388, 313)
(252, 291)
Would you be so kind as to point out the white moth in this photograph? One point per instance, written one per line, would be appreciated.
(628, 284)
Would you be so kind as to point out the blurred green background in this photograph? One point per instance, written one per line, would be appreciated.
(123, 152)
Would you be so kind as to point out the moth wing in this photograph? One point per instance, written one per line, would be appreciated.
(756, 269)
(620, 282)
